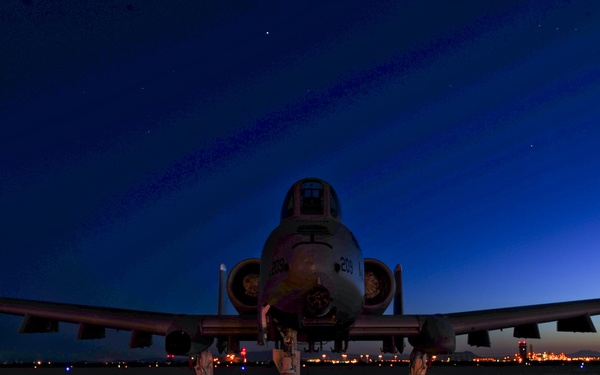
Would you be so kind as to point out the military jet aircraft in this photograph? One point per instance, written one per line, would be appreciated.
(311, 285)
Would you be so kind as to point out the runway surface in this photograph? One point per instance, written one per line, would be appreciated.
(325, 370)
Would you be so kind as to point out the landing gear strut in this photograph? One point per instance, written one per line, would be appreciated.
(287, 359)
(204, 363)
(418, 362)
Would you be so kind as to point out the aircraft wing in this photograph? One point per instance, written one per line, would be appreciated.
(570, 317)
(42, 317)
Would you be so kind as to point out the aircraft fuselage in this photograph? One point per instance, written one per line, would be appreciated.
(313, 273)
(312, 268)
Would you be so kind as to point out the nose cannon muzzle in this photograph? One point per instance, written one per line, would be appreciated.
(318, 301)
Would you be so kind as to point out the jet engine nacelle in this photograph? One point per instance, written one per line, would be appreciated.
(379, 287)
(436, 337)
(182, 339)
(243, 284)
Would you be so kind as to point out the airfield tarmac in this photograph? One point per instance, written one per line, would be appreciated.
(321, 370)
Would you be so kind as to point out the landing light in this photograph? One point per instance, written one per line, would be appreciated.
(288, 340)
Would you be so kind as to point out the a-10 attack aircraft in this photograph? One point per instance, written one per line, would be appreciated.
(311, 285)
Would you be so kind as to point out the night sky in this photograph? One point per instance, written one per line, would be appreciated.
(144, 143)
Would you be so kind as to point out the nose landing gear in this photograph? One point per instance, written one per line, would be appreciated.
(287, 359)
(204, 363)
(419, 363)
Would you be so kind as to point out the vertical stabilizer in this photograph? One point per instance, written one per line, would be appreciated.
(395, 344)
(222, 308)
(398, 304)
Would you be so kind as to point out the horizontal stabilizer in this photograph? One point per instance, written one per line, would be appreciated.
(578, 324)
(527, 331)
(140, 339)
(90, 332)
(32, 324)
(479, 338)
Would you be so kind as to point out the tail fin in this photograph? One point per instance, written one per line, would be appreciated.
(222, 308)
(395, 344)
(398, 304)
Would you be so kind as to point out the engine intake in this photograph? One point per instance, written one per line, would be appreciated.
(379, 287)
(243, 284)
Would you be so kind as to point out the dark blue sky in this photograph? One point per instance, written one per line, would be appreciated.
(143, 144)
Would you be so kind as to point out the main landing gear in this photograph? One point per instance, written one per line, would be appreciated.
(287, 359)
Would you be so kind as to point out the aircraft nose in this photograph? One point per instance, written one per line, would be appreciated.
(318, 301)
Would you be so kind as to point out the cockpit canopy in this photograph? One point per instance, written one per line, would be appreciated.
(311, 197)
